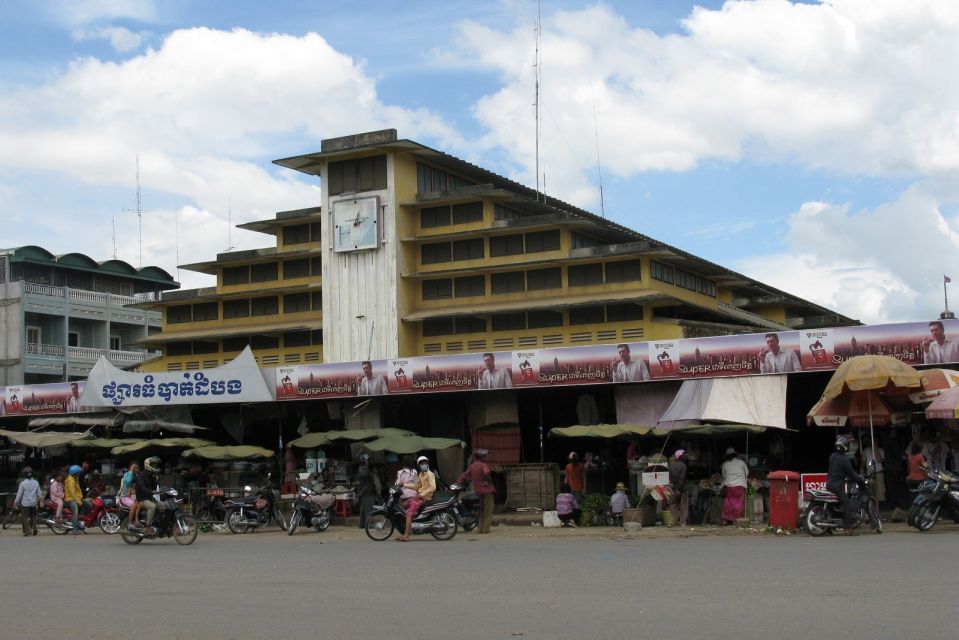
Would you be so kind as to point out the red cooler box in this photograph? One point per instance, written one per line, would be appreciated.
(783, 499)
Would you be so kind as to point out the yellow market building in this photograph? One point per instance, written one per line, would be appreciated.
(412, 252)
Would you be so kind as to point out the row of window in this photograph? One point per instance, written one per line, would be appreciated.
(533, 280)
(269, 271)
(239, 343)
(302, 233)
(684, 279)
(245, 307)
(445, 215)
(430, 179)
(475, 248)
(354, 176)
(522, 320)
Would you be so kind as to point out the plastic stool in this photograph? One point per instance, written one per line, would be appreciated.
(342, 508)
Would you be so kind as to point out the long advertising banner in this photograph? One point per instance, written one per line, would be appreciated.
(914, 343)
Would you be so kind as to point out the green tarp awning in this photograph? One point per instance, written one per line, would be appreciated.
(186, 443)
(34, 439)
(319, 439)
(412, 444)
(600, 430)
(104, 443)
(239, 452)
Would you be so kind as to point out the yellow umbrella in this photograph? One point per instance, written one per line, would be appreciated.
(872, 373)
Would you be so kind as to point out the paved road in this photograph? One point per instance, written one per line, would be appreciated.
(519, 582)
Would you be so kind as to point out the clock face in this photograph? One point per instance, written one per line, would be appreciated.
(356, 224)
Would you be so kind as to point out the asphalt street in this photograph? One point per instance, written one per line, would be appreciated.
(518, 582)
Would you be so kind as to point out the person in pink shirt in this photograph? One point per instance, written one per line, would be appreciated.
(481, 477)
(56, 493)
(567, 508)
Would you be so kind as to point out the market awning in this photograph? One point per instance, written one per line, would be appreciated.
(600, 430)
(411, 444)
(34, 439)
(239, 452)
(752, 400)
(95, 420)
(186, 443)
(104, 443)
(147, 426)
(321, 438)
(710, 429)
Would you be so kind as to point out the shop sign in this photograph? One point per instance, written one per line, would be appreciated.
(655, 478)
(811, 482)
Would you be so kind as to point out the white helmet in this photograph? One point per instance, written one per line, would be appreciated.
(422, 459)
(152, 464)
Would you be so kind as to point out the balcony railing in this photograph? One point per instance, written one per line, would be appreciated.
(78, 295)
(87, 353)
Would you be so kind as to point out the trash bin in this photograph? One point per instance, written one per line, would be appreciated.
(783, 499)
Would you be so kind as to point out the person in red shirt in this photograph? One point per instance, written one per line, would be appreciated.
(481, 477)
(917, 466)
(576, 475)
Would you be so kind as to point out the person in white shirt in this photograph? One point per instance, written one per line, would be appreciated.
(368, 384)
(73, 400)
(489, 377)
(735, 474)
(937, 348)
(626, 369)
(773, 359)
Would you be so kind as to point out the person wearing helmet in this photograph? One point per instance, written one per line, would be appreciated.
(28, 497)
(145, 484)
(840, 470)
(481, 477)
(73, 497)
(365, 487)
(425, 486)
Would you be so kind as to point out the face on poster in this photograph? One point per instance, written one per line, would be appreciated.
(586, 365)
(664, 358)
(400, 375)
(914, 342)
(60, 397)
(525, 367)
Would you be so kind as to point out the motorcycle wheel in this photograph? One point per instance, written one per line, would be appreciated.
(235, 522)
(470, 523)
(446, 519)
(8, 520)
(379, 527)
(911, 516)
(128, 536)
(278, 516)
(325, 524)
(184, 530)
(927, 517)
(814, 515)
(874, 518)
(109, 522)
(294, 521)
(58, 529)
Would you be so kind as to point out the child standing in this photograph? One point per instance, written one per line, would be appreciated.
(618, 503)
(567, 508)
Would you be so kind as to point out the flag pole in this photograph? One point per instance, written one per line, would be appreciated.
(945, 280)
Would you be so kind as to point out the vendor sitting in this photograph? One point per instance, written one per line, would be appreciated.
(425, 486)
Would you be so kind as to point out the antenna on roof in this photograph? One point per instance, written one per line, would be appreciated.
(537, 75)
(229, 225)
(113, 224)
(139, 211)
(599, 167)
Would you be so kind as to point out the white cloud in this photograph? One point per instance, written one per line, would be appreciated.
(880, 265)
(856, 86)
(121, 39)
(205, 113)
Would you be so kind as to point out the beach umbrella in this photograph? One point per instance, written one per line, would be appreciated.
(872, 373)
(945, 407)
(934, 382)
(238, 452)
(856, 409)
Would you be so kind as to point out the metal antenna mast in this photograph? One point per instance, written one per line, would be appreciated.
(537, 75)
(599, 166)
(229, 224)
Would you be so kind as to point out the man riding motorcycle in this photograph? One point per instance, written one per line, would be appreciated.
(840, 470)
(146, 484)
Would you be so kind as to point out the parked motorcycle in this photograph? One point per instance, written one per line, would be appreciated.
(823, 514)
(313, 509)
(169, 520)
(936, 496)
(465, 507)
(436, 519)
(257, 508)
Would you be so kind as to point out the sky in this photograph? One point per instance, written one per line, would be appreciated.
(813, 146)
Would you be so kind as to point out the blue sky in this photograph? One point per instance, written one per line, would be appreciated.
(813, 146)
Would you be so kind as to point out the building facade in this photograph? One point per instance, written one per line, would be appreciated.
(59, 314)
(412, 251)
